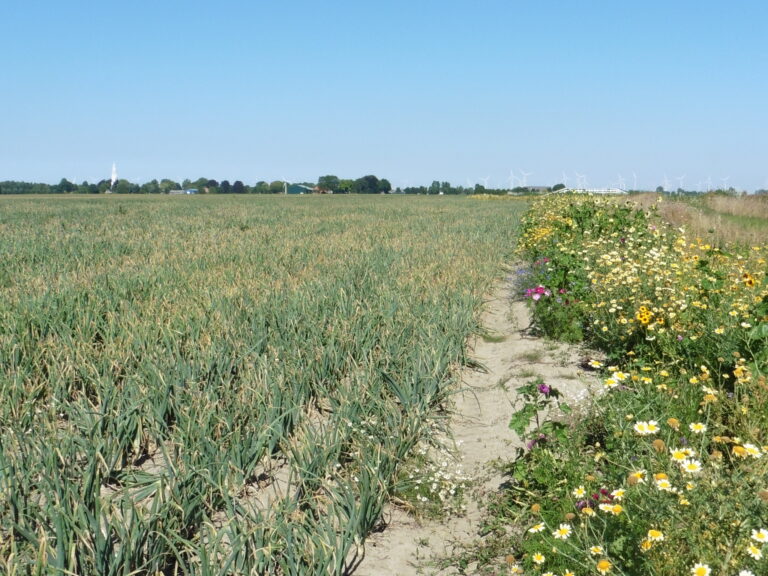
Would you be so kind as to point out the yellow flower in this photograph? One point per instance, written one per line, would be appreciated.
(697, 427)
(739, 451)
(538, 558)
(579, 492)
(563, 532)
(614, 509)
(760, 535)
(664, 485)
(690, 466)
(587, 511)
(646, 428)
(536, 528)
(678, 455)
(655, 535)
(700, 569)
(596, 550)
(636, 477)
(754, 551)
(645, 545)
(604, 566)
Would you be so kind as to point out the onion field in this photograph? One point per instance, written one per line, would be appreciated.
(225, 384)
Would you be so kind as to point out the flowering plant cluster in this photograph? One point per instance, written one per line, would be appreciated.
(668, 472)
(538, 292)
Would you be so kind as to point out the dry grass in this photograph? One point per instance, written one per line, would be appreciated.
(715, 218)
(749, 206)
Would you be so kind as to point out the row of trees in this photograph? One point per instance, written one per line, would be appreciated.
(369, 184)
(366, 185)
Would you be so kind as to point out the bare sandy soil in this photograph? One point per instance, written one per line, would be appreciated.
(511, 357)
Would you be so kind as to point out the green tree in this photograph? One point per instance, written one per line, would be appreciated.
(200, 184)
(64, 187)
(345, 186)
(276, 187)
(384, 186)
(261, 187)
(225, 187)
(328, 183)
(366, 185)
(238, 187)
(151, 187)
(167, 185)
(121, 187)
(557, 187)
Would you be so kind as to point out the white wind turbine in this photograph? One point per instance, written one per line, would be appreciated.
(565, 179)
(511, 179)
(622, 184)
(708, 182)
(524, 179)
(581, 180)
(485, 182)
(725, 182)
(666, 183)
(634, 180)
(680, 181)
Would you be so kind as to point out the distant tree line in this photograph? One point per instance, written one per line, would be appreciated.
(369, 184)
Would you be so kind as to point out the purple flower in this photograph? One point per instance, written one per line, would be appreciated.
(544, 389)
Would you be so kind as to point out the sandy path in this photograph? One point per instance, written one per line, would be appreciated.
(480, 427)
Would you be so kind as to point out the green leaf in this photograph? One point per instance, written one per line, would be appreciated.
(522, 418)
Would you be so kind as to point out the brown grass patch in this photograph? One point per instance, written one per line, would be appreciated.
(715, 218)
(749, 206)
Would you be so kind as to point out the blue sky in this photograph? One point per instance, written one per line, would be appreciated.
(413, 91)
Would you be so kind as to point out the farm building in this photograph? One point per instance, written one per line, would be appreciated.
(299, 189)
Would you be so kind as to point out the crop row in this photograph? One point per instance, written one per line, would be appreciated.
(224, 385)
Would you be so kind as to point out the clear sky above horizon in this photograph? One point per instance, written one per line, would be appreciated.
(593, 92)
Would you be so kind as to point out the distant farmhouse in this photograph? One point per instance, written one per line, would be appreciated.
(187, 191)
(298, 189)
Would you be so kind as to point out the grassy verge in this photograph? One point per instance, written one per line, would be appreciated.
(668, 474)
